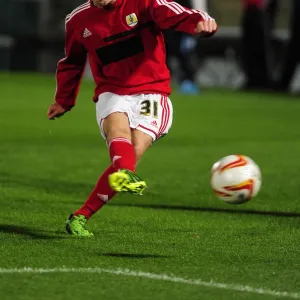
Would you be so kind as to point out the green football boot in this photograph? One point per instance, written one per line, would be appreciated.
(127, 181)
(75, 226)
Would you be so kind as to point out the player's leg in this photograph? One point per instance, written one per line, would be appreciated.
(116, 128)
(101, 194)
(118, 136)
(141, 142)
(150, 114)
(117, 131)
(110, 116)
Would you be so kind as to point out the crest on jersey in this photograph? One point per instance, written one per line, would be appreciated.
(132, 20)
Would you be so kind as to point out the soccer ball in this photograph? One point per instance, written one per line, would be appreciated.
(235, 179)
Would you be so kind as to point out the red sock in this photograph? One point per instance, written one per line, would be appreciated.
(122, 154)
(101, 194)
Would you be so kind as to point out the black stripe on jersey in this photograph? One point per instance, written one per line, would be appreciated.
(121, 50)
(128, 32)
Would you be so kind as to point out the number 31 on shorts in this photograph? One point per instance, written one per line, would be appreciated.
(149, 108)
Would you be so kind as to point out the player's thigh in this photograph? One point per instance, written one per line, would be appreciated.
(116, 125)
(113, 116)
(141, 142)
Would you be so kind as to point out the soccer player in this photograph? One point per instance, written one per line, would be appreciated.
(124, 44)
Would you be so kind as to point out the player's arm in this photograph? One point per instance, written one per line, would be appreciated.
(168, 14)
(68, 74)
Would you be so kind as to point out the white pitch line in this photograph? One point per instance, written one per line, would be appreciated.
(162, 277)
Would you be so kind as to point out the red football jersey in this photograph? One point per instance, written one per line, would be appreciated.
(124, 45)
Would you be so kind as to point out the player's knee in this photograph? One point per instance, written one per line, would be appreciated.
(115, 132)
(117, 125)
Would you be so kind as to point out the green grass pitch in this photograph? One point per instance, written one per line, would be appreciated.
(178, 228)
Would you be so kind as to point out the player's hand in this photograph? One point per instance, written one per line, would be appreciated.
(55, 111)
(206, 28)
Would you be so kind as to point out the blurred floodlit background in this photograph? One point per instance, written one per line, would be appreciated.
(252, 32)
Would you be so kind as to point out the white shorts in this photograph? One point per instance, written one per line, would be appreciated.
(152, 114)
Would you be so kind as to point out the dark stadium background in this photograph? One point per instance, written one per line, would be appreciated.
(32, 33)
